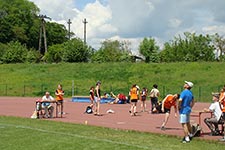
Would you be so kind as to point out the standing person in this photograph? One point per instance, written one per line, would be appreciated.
(154, 94)
(59, 99)
(222, 102)
(143, 99)
(133, 98)
(215, 108)
(186, 102)
(97, 98)
(92, 96)
(169, 101)
(46, 105)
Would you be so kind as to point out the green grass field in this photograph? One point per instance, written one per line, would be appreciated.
(35, 79)
(31, 134)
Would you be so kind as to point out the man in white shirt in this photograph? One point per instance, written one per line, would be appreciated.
(215, 108)
(46, 105)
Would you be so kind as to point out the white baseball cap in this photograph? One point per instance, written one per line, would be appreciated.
(190, 84)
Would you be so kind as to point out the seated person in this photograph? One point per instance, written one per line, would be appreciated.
(215, 108)
(46, 105)
(119, 99)
(106, 95)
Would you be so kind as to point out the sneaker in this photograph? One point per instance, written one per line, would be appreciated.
(163, 128)
(222, 140)
(190, 136)
(184, 140)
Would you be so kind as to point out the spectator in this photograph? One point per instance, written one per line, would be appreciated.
(119, 99)
(212, 122)
(59, 99)
(134, 98)
(154, 94)
(46, 105)
(143, 99)
(97, 98)
(186, 102)
(222, 102)
(92, 96)
(169, 101)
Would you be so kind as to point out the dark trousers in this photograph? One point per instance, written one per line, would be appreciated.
(154, 102)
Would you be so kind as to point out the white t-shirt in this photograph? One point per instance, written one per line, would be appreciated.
(154, 92)
(44, 98)
(215, 108)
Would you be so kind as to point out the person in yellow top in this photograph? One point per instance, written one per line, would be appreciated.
(59, 93)
(134, 98)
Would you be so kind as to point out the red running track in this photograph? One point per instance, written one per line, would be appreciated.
(121, 119)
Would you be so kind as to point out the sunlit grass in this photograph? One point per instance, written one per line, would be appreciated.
(26, 134)
(34, 79)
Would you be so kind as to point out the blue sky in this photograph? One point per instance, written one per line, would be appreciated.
(132, 20)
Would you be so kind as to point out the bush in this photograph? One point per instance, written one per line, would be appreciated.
(76, 51)
(15, 53)
(54, 53)
(33, 56)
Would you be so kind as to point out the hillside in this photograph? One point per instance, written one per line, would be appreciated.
(34, 79)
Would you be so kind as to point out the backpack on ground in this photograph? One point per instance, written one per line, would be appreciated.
(196, 130)
(34, 115)
(89, 110)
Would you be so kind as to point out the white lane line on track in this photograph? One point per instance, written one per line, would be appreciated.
(72, 135)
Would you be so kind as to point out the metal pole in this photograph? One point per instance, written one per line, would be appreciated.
(72, 88)
(69, 22)
(45, 39)
(85, 22)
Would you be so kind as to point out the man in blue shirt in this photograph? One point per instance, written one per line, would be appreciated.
(186, 102)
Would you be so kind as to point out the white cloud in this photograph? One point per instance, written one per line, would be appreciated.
(133, 20)
(214, 29)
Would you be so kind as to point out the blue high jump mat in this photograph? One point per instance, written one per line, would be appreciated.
(86, 99)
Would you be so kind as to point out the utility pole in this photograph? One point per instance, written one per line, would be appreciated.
(42, 29)
(85, 22)
(69, 22)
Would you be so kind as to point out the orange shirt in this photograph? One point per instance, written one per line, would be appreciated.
(169, 102)
(134, 93)
(222, 101)
(59, 97)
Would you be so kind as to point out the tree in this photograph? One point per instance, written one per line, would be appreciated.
(19, 21)
(112, 51)
(76, 51)
(219, 43)
(16, 20)
(149, 50)
(191, 48)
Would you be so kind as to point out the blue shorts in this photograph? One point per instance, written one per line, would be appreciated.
(184, 118)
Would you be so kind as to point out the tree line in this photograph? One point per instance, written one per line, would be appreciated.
(20, 25)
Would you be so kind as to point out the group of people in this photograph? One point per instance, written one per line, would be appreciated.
(185, 103)
(45, 104)
(218, 109)
(182, 102)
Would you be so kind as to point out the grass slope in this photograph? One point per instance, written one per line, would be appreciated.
(27, 134)
(34, 79)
